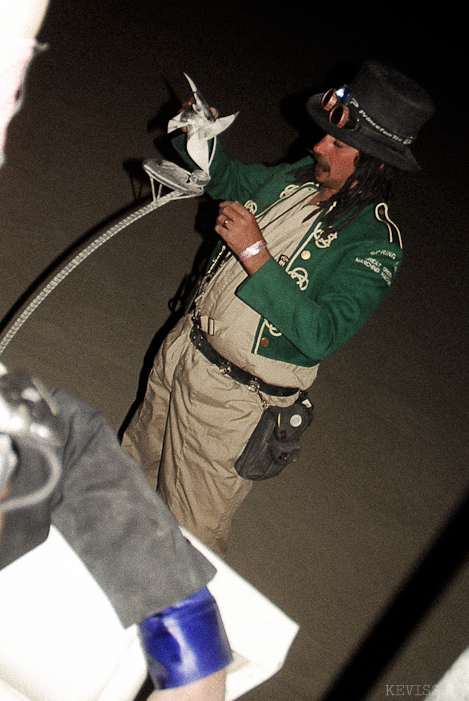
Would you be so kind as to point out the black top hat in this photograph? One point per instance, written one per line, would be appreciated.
(386, 111)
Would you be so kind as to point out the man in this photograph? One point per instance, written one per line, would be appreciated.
(303, 263)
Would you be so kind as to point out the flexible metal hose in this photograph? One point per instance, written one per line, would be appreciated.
(157, 202)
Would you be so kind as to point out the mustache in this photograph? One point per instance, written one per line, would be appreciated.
(322, 163)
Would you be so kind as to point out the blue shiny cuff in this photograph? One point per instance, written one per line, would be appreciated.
(185, 642)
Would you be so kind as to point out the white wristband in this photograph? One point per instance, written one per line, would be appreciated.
(252, 250)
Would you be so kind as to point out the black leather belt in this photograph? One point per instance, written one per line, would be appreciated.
(253, 383)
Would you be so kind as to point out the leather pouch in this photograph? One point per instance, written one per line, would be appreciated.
(275, 442)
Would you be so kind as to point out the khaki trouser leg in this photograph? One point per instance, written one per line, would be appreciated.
(210, 420)
(191, 428)
(143, 438)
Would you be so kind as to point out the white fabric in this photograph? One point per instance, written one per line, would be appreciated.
(260, 634)
(60, 638)
(15, 54)
(454, 685)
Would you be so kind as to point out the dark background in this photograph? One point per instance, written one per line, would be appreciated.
(364, 540)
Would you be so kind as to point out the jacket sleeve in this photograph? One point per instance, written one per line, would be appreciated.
(230, 179)
(117, 524)
(321, 319)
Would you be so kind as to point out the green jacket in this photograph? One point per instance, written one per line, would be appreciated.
(349, 274)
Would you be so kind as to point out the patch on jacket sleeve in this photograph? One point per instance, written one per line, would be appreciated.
(378, 267)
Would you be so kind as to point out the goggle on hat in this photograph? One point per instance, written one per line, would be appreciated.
(380, 113)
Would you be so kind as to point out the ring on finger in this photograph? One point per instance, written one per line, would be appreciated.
(225, 222)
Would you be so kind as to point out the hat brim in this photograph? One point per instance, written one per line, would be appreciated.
(364, 139)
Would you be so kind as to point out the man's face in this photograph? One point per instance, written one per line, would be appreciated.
(335, 163)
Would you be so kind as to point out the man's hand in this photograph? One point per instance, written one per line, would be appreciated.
(239, 229)
(187, 106)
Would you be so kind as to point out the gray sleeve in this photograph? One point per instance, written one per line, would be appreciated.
(117, 524)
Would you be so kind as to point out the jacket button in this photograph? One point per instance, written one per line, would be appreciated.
(264, 342)
(306, 255)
